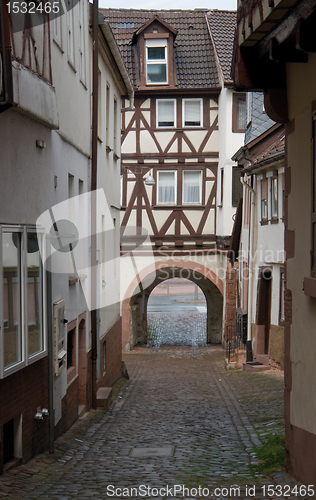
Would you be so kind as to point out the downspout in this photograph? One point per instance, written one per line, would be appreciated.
(49, 305)
(6, 64)
(250, 268)
(94, 165)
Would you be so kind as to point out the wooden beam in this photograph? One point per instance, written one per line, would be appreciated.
(286, 52)
(305, 35)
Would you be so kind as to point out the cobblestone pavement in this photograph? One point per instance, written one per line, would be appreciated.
(187, 328)
(179, 420)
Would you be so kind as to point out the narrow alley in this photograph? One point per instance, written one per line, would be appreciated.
(180, 419)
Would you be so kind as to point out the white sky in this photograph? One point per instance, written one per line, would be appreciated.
(169, 4)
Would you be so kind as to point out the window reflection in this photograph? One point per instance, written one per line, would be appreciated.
(11, 244)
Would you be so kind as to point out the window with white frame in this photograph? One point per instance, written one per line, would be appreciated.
(264, 199)
(156, 61)
(115, 126)
(70, 31)
(166, 187)
(57, 30)
(274, 198)
(22, 334)
(81, 40)
(166, 112)
(192, 186)
(192, 112)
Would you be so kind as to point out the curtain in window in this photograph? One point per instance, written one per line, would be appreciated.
(264, 199)
(192, 113)
(274, 197)
(191, 187)
(165, 113)
(166, 187)
(241, 114)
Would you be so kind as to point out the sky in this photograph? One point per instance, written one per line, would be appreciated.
(169, 4)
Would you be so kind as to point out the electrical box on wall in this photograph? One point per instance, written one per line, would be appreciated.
(60, 351)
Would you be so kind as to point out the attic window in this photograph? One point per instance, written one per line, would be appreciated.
(125, 25)
(156, 55)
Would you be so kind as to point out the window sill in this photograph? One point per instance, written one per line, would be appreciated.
(274, 221)
(58, 43)
(309, 287)
(264, 222)
(178, 207)
(72, 66)
(83, 84)
(239, 131)
(72, 280)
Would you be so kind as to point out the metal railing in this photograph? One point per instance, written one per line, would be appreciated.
(236, 336)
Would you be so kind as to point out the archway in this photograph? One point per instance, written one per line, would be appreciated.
(134, 305)
(176, 314)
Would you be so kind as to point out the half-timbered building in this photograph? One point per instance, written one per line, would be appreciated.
(178, 136)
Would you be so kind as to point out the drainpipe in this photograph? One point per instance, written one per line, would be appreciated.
(94, 164)
(49, 305)
(250, 267)
(6, 65)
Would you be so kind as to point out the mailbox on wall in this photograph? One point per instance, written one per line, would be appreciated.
(60, 352)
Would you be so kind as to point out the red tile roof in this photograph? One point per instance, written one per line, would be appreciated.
(222, 25)
(193, 50)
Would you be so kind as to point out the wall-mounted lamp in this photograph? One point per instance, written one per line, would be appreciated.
(150, 181)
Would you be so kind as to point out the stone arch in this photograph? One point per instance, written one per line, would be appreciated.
(134, 304)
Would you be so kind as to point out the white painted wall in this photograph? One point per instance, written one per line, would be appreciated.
(229, 143)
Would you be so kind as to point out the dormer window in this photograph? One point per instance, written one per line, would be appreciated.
(156, 55)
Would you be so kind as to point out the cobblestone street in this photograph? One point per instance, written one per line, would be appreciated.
(180, 419)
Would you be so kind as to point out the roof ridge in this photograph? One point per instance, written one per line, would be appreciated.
(199, 9)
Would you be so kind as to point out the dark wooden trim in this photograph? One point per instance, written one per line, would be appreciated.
(274, 220)
(214, 126)
(175, 156)
(173, 91)
(155, 36)
(179, 185)
(206, 112)
(179, 207)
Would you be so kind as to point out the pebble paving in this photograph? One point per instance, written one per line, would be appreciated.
(181, 419)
